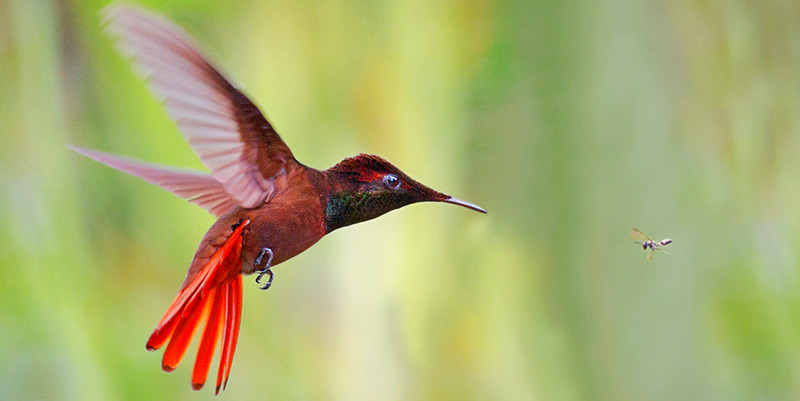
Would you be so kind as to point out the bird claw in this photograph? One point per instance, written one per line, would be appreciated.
(269, 283)
(266, 269)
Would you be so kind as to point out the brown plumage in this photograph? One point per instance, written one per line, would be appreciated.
(269, 206)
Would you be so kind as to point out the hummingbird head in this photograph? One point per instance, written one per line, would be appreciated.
(369, 186)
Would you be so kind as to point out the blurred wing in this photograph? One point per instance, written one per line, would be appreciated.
(637, 235)
(650, 255)
(200, 189)
(227, 131)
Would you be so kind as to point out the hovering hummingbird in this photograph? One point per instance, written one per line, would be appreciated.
(648, 244)
(270, 207)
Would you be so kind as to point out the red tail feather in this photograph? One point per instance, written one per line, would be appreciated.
(234, 316)
(181, 337)
(209, 342)
(213, 296)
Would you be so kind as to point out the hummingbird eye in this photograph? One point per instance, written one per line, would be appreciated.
(391, 181)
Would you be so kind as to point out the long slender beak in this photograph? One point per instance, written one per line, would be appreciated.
(465, 204)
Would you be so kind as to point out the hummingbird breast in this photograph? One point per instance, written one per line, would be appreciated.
(288, 224)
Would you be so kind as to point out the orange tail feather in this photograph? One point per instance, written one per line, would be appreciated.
(182, 336)
(234, 316)
(209, 342)
(212, 297)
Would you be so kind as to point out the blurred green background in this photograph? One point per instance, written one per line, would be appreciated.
(570, 122)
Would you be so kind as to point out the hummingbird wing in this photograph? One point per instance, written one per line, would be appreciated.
(198, 188)
(225, 129)
(213, 296)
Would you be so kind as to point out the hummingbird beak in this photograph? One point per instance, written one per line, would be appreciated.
(464, 203)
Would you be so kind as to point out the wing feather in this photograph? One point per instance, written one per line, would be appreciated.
(227, 131)
(198, 188)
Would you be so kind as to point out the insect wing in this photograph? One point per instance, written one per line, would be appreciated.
(637, 235)
(650, 254)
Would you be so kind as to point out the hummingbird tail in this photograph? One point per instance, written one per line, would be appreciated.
(213, 296)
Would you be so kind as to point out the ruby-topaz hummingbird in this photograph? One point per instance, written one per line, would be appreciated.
(270, 207)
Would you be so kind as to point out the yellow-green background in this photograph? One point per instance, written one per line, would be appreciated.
(570, 122)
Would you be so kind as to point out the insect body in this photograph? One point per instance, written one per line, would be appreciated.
(648, 244)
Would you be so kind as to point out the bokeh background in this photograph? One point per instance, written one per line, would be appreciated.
(571, 122)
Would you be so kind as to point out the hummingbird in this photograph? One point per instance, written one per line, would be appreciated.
(269, 206)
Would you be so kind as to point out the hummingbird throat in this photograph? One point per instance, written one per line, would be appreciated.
(347, 208)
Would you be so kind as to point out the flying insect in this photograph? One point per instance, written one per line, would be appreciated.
(648, 244)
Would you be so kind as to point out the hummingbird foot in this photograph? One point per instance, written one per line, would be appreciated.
(266, 269)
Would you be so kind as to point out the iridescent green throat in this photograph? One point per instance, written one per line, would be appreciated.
(347, 208)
